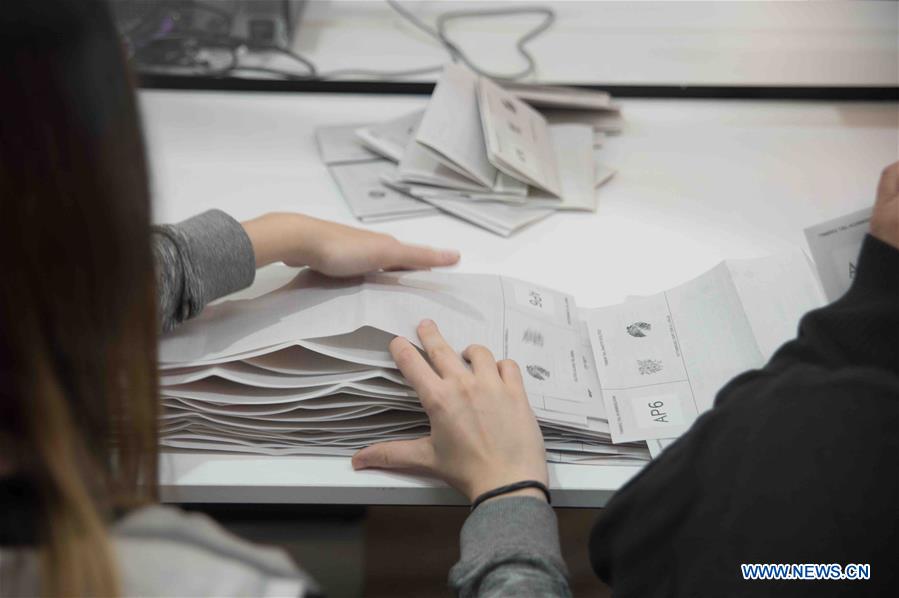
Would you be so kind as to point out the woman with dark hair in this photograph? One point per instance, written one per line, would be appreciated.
(80, 307)
(87, 283)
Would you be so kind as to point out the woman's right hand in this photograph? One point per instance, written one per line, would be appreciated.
(483, 432)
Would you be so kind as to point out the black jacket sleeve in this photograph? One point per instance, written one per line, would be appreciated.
(798, 462)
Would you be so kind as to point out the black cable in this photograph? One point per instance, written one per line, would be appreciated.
(235, 44)
(224, 14)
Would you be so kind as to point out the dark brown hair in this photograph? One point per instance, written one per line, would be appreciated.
(77, 306)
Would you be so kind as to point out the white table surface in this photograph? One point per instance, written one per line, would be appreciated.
(778, 43)
(698, 182)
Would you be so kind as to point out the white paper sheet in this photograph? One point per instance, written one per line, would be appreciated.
(602, 173)
(368, 199)
(835, 246)
(338, 144)
(389, 139)
(662, 359)
(499, 218)
(243, 373)
(518, 139)
(571, 98)
(641, 370)
(610, 123)
(300, 361)
(419, 165)
(573, 147)
(657, 445)
(451, 127)
(537, 327)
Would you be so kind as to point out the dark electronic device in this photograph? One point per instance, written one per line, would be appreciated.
(192, 36)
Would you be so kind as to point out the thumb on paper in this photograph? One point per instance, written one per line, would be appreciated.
(411, 455)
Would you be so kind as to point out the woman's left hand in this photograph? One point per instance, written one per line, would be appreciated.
(334, 249)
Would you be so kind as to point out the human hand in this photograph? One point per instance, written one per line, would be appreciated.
(483, 432)
(334, 249)
(885, 220)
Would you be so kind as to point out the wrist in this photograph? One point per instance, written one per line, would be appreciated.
(520, 485)
(886, 236)
(278, 237)
(504, 477)
(531, 492)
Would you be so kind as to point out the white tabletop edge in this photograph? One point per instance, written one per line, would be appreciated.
(187, 477)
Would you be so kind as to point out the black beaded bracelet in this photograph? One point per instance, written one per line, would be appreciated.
(512, 488)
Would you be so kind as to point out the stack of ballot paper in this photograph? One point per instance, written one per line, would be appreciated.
(478, 151)
(305, 369)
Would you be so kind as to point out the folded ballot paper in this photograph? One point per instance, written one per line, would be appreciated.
(358, 173)
(477, 151)
(306, 369)
(661, 359)
(835, 246)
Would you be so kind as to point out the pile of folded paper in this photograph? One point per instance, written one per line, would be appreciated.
(306, 370)
(477, 151)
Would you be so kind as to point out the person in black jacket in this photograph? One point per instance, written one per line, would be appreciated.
(797, 466)
(797, 463)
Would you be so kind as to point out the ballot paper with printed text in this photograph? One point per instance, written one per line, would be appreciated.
(357, 171)
(835, 247)
(661, 359)
(518, 138)
(354, 320)
(451, 132)
(307, 366)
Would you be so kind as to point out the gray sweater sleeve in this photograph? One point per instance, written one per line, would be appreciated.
(510, 547)
(197, 261)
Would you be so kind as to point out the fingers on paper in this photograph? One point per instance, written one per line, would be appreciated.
(415, 257)
(511, 375)
(482, 361)
(445, 360)
(416, 370)
(888, 187)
